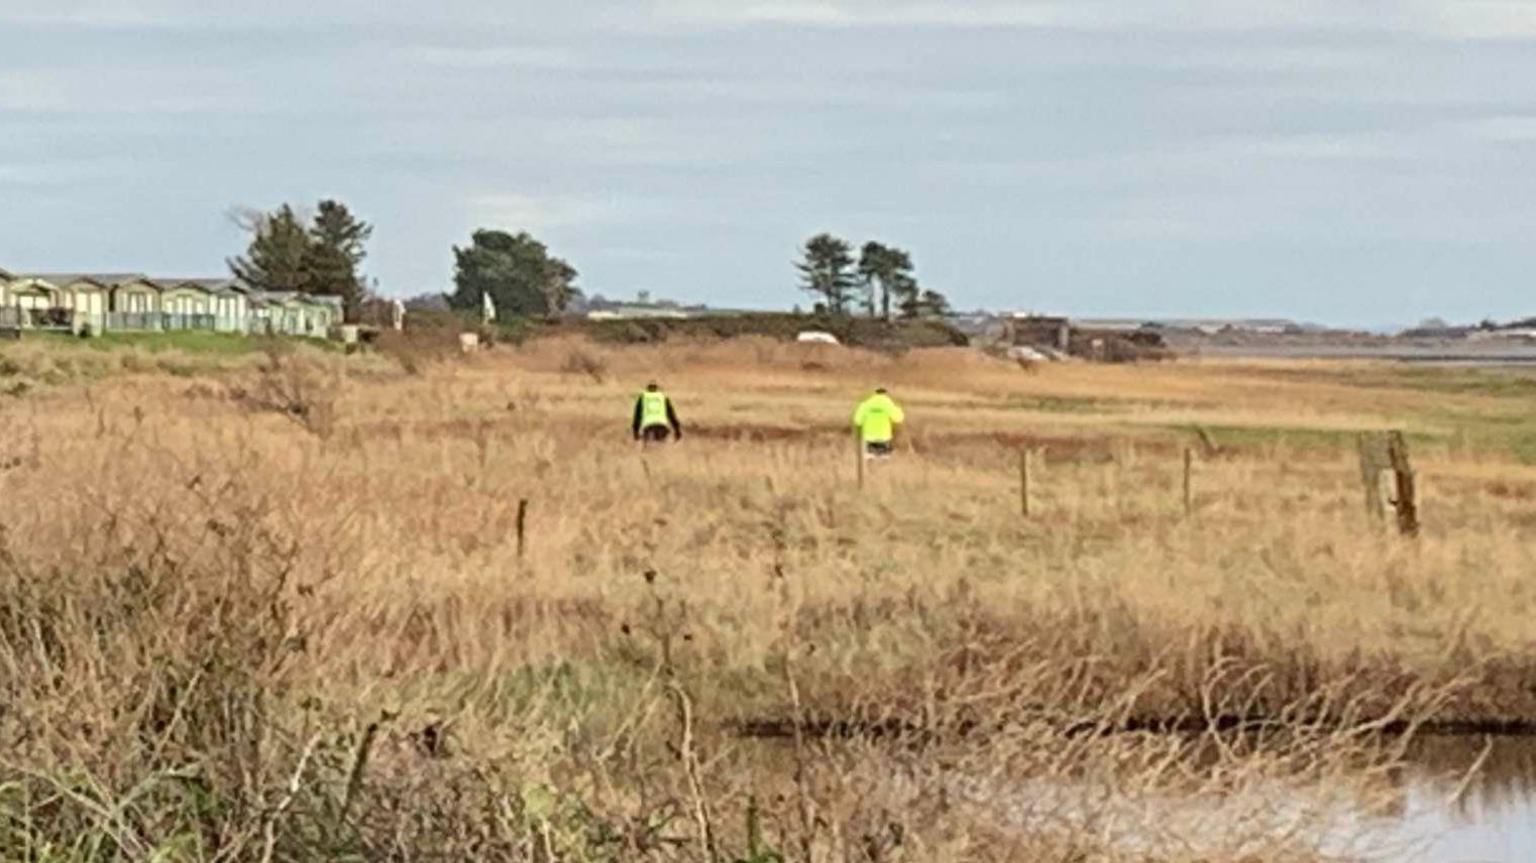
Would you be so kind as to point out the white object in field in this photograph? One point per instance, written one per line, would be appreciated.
(817, 337)
(349, 334)
(1024, 353)
(488, 308)
(397, 314)
(469, 342)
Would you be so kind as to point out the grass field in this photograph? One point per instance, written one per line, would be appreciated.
(277, 608)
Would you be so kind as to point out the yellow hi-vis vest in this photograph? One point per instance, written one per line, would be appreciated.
(653, 410)
(877, 417)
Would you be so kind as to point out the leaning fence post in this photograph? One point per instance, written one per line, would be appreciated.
(1406, 501)
(522, 527)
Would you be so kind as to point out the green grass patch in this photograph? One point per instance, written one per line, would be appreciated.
(187, 341)
(1292, 437)
(1499, 382)
(1496, 381)
(1512, 434)
(1065, 404)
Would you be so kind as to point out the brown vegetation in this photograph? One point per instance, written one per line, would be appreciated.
(223, 637)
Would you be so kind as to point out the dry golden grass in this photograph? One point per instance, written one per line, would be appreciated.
(231, 630)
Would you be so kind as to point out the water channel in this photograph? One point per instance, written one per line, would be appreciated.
(1488, 818)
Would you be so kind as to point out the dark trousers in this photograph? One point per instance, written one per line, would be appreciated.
(655, 434)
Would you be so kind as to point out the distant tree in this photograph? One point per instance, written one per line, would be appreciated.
(827, 271)
(429, 302)
(278, 258)
(322, 258)
(907, 293)
(335, 251)
(933, 304)
(866, 292)
(886, 271)
(918, 302)
(516, 270)
(559, 285)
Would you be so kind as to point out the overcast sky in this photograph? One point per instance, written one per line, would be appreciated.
(1349, 161)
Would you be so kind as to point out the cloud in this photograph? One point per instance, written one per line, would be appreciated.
(69, 90)
(496, 57)
(515, 211)
(1466, 19)
(1503, 130)
(1451, 19)
(477, 16)
(689, 142)
(60, 173)
(1481, 19)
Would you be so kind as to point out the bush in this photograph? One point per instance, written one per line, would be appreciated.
(851, 331)
(580, 361)
(298, 388)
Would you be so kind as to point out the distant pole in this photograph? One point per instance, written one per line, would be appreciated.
(1024, 482)
(1189, 481)
(522, 527)
(858, 454)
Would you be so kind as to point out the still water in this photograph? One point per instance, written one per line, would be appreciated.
(1459, 800)
(1493, 820)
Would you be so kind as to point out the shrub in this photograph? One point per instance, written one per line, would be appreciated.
(580, 360)
(298, 388)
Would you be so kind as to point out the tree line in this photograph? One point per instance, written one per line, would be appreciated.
(323, 254)
(881, 280)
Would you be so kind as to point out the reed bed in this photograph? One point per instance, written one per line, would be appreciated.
(279, 609)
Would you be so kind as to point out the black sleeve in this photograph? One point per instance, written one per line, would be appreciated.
(677, 427)
(634, 425)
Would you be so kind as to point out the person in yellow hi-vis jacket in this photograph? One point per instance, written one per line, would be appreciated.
(654, 417)
(876, 419)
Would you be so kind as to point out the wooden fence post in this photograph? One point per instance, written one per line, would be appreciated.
(858, 452)
(1189, 481)
(1371, 465)
(1024, 482)
(1406, 501)
(522, 527)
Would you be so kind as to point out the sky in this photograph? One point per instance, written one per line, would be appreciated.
(1357, 162)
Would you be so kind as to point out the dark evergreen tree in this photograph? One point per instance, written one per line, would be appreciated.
(933, 304)
(886, 271)
(278, 258)
(827, 272)
(335, 253)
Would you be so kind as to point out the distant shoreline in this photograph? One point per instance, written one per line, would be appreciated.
(1446, 355)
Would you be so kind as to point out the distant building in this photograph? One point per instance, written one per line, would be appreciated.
(599, 308)
(1040, 331)
(1265, 326)
(134, 302)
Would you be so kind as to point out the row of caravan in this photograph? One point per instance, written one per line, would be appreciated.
(89, 303)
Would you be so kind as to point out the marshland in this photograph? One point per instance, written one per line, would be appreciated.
(281, 603)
